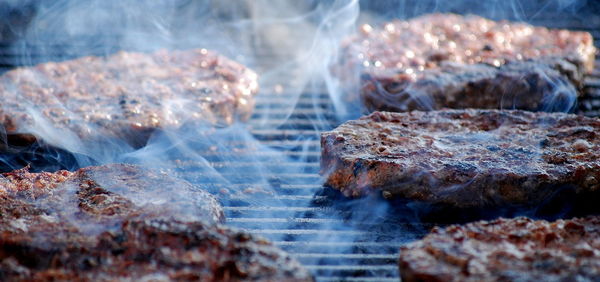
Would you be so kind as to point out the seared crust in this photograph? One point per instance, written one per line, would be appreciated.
(464, 158)
(115, 222)
(450, 61)
(126, 95)
(518, 249)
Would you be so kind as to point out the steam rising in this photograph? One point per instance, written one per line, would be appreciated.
(294, 46)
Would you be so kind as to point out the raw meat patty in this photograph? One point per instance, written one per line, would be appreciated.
(115, 223)
(518, 249)
(450, 61)
(464, 158)
(126, 95)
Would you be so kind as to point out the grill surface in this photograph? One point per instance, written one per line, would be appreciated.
(367, 252)
(336, 239)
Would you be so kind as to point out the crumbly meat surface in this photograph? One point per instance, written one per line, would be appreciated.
(464, 158)
(450, 61)
(126, 95)
(114, 223)
(519, 249)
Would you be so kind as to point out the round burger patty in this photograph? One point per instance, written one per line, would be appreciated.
(450, 61)
(464, 158)
(121, 222)
(126, 95)
(518, 249)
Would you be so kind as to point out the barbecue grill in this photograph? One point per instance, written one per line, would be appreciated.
(273, 188)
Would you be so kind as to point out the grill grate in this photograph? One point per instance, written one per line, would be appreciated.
(303, 221)
(336, 240)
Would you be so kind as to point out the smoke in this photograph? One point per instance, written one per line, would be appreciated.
(295, 48)
(289, 44)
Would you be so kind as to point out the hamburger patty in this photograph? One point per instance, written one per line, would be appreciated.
(464, 158)
(449, 61)
(518, 249)
(126, 95)
(118, 222)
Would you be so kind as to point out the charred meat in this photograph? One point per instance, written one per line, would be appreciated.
(450, 61)
(518, 249)
(126, 95)
(464, 158)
